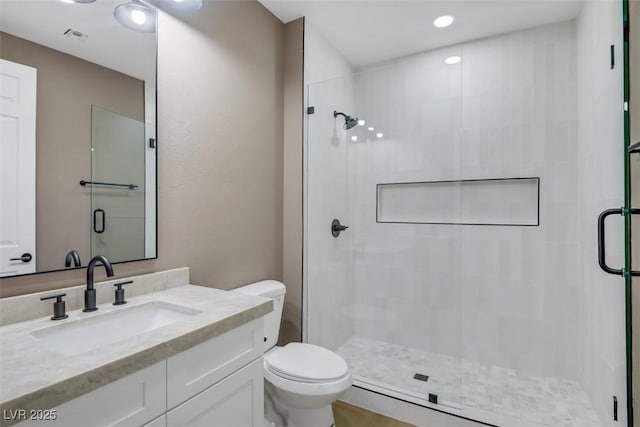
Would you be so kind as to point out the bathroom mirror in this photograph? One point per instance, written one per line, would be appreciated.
(95, 130)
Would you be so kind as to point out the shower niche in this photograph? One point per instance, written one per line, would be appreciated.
(507, 201)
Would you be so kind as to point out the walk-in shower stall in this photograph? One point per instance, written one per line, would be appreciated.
(467, 280)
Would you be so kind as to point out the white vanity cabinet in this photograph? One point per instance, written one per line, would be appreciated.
(216, 383)
(219, 382)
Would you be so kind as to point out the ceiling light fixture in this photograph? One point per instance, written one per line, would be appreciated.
(370, 129)
(443, 21)
(77, 1)
(452, 60)
(379, 134)
(354, 138)
(136, 16)
(361, 122)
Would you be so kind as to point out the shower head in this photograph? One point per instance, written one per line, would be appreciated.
(349, 121)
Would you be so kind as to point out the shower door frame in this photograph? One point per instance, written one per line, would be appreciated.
(627, 217)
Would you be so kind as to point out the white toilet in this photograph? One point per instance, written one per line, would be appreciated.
(301, 380)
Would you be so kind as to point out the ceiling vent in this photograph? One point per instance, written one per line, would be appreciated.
(75, 34)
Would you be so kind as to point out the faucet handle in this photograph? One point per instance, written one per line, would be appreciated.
(120, 292)
(58, 306)
(119, 284)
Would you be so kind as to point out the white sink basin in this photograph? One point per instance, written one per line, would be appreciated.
(102, 329)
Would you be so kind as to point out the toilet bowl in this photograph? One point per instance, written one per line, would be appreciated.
(301, 380)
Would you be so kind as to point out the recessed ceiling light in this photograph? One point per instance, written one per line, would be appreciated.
(379, 134)
(443, 21)
(361, 122)
(136, 16)
(452, 60)
(77, 1)
(354, 138)
(370, 129)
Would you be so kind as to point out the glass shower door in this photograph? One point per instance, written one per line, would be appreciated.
(329, 260)
(386, 294)
(118, 189)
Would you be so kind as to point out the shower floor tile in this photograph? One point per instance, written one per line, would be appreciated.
(545, 401)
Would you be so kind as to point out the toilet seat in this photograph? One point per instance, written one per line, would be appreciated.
(306, 363)
(306, 390)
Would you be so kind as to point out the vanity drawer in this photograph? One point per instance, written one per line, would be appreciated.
(130, 401)
(236, 401)
(190, 372)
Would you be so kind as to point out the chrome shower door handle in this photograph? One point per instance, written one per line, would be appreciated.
(601, 241)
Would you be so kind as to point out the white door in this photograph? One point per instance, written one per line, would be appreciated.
(17, 168)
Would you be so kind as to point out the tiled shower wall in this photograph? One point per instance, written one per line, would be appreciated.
(500, 295)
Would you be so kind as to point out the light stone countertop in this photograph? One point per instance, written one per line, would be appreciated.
(34, 377)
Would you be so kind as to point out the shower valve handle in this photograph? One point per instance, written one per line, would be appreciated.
(337, 228)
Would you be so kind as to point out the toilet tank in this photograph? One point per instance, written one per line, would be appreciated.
(268, 289)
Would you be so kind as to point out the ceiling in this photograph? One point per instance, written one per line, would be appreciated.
(108, 43)
(371, 31)
(364, 31)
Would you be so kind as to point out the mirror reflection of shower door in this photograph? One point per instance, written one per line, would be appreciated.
(117, 211)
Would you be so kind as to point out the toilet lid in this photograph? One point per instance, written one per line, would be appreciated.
(306, 362)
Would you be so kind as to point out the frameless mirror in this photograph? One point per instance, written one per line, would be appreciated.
(78, 111)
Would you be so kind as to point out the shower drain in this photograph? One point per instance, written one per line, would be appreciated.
(421, 377)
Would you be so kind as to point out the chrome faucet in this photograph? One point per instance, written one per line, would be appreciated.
(74, 256)
(90, 293)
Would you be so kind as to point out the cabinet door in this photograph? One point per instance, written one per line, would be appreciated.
(194, 370)
(130, 401)
(236, 401)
